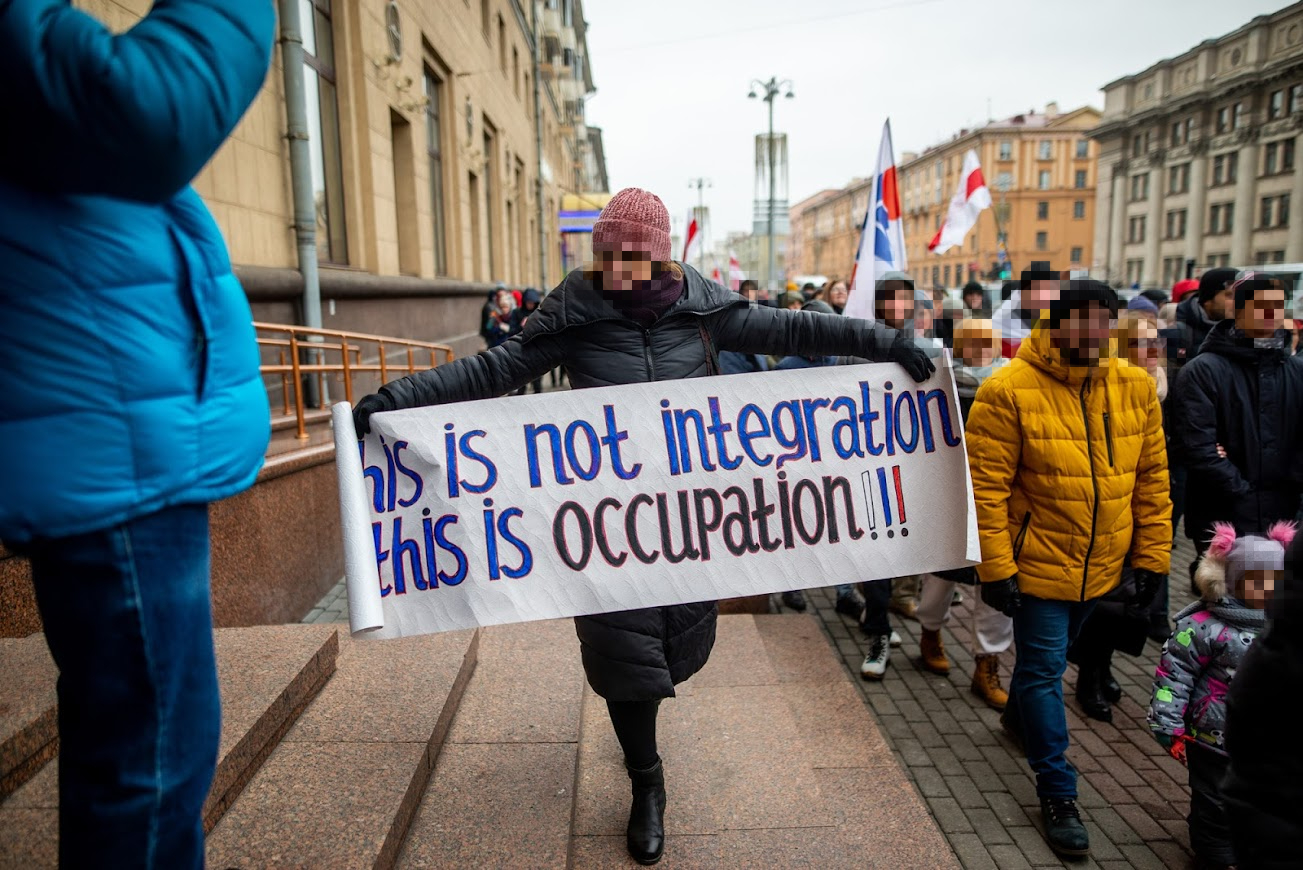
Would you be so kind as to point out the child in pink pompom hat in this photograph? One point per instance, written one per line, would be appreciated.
(1237, 576)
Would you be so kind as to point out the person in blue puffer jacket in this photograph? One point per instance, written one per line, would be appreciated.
(130, 395)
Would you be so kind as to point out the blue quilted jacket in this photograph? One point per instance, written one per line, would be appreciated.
(128, 367)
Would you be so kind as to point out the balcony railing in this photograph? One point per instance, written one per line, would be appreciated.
(314, 360)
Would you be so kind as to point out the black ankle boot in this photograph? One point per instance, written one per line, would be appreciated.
(1108, 686)
(646, 832)
(1090, 694)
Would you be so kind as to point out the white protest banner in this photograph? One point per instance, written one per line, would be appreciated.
(590, 501)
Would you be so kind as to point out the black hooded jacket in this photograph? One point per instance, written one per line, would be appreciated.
(1264, 787)
(1250, 401)
(640, 654)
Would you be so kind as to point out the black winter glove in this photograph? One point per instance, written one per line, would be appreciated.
(1147, 586)
(912, 357)
(366, 406)
(1002, 595)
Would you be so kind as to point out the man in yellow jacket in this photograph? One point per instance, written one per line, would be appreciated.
(1069, 476)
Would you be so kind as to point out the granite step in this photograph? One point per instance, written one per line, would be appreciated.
(267, 676)
(502, 794)
(29, 731)
(341, 787)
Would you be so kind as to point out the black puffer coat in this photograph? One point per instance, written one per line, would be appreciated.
(1250, 401)
(1264, 787)
(640, 654)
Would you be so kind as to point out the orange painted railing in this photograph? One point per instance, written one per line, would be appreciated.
(300, 352)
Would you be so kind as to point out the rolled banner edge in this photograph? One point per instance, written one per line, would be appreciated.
(361, 576)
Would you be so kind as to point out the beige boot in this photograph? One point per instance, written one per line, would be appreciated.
(933, 652)
(986, 681)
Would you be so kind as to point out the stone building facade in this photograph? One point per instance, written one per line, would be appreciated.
(422, 131)
(1197, 157)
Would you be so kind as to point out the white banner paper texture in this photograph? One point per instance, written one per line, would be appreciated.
(590, 501)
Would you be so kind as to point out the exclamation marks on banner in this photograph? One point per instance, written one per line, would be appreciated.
(887, 491)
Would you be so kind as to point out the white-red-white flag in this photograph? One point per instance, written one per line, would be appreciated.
(735, 274)
(692, 240)
(967, 203)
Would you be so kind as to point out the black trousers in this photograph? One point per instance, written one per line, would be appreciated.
(635, 728)
(1210, 827)
(877, 597)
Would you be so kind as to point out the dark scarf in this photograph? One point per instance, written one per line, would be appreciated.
(648, 300)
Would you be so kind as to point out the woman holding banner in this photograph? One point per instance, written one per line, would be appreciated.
(635, 316)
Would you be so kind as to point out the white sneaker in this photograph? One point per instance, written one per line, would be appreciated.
(895, 638)
(875, 663)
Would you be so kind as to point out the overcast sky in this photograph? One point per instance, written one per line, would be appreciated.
(672, 78)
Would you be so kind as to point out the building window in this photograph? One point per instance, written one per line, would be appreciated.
(1042, 241)
(1295, 98)
(484, 19)
(1076, 255)
(323, 129)
(1006, 150)
(1221, 219)
(1079, 210)
(1278, 157)
(1135, 268)
(1176, 224)
(502, 45)
(1043, 179)
(1267, 258)
(1140, 187)
(1178, 178)
(1178, 133)
(1225, 168)
(1042, 211)
(1173, 270)
(434, 153)
(1275, 211)
(1083, 149)
(1276, 105)
(1045, 150)
(515, 71)
(1079, 179)
(1223, 124)
(1237, 116)
(1004, 181)
(1136, 229)
(490, 191)
(945, 276)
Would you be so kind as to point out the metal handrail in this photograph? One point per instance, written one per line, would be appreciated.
(297, 357)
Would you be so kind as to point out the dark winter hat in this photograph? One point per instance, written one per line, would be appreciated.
(634, 220)
(1080, 292)
(1142, 304)
(1247, 284)
(1040, 271)
(818, 306)
(1213, 282)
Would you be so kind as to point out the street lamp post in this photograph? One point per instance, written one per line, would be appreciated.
(700, 184)
(771, 89)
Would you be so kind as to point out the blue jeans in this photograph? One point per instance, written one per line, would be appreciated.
(129, 623)
(1043, 630)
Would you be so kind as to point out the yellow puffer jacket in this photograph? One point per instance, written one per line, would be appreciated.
(1069, 473)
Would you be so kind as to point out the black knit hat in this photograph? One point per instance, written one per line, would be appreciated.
(1080, 292)
(1040, 271)
(1213, 282)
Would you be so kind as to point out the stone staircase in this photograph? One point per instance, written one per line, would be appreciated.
(486, 749)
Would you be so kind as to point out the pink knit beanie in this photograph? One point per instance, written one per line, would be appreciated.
(634, 220)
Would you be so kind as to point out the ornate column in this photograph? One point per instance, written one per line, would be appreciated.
(1117, 222)
(1197, 211)
(1246, 182)
(1153, 269)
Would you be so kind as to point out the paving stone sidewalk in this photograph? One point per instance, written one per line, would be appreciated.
(1133, 797)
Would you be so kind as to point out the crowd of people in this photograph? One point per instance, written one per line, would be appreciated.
(1093, 426)
(1072, 413)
